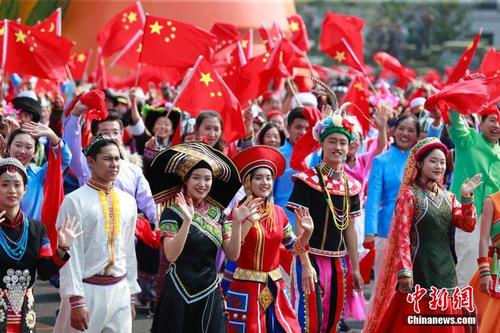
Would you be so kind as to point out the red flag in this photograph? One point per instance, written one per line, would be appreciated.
(257, 74)
(120, 29)
(53, 195)
(100, 76)
(79, 63)
(51, 24)
(299, 32)
(129, 55)
(247, 44)
(270, 36)
(464, 61)
(231, 72)
(306, 144)
(36, 53)
(176, 44)
(358, 94)
(148, 74)
(227, 34)
(406, 75)
(335, 29)
(490, 66)
(467, 96)
(205, 90)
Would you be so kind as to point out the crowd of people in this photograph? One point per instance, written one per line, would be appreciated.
(218, 236)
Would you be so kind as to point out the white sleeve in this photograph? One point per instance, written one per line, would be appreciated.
(136, 129)
(71, 274)
(130, 248)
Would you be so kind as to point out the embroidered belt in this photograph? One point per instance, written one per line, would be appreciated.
(103, 280)
(326, 253)
(256, 276)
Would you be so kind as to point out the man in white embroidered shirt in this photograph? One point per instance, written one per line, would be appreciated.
(99, 282)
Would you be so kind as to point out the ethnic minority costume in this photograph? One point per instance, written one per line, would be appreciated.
(25, 251)
(102, 272)
(488, 306)
(256, 299)
(191, 300)
(331, 210)
(19, 268)
(418, 246)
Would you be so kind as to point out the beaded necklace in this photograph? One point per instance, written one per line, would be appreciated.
(341, 220)
(14, 249)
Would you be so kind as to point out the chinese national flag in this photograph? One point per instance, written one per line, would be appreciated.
(358, 94)
(490, 66)
(205, 90)
(33, 52)
(129, 56)
(176, 44)
(337, 27)
(299, 32)
(388, 62)
(258, 73)
(118, 32)
(247, 44)
(51, 24)
(231, 73)
(227, 34)
(270, 36)
(464, 61)
(79, 63)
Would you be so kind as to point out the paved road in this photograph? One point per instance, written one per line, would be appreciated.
(47, 302)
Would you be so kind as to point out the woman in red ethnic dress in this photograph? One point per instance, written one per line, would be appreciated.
(256, 300)
(418, 258)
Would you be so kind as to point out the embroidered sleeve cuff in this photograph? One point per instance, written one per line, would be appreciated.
(355, 214)
(405, 272)
(60, 261)
(77, 301)
(466, 201)
(149, 153)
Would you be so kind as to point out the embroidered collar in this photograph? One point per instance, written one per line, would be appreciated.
(14, 224)
(328, 171)
(100, 187)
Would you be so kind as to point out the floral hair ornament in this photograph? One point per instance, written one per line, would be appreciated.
(336, 122)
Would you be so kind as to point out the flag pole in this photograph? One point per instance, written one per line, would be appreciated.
(86, 69)
(353, 55)
(250, 44)
(187, 79)
(127, 47)
(137, 74)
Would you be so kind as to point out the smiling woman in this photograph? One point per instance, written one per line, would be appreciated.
(197, 183)
(25, 251)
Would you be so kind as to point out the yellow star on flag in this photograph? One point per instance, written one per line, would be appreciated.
(81, 57)
(1, 31)
(470, 46)
(155, 28)
(339, 56)
(206, 78)
(139, 48)
(20, 37)
(132, 17)
(294, 26)
(244, 43)
(358, 86)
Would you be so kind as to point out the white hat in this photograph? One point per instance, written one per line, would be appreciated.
(305, 98)
(28, 93)
(416, 102)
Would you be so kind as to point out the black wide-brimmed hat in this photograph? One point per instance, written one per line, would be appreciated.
(152, 114)
(29, 105)
(168, 170)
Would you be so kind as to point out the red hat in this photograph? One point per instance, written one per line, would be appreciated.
(275, 112)
(266, 96)
(258, 157)
(491, 110)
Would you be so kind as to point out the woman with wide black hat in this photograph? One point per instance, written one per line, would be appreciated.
(193, 182)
